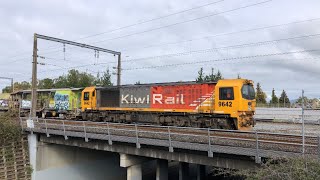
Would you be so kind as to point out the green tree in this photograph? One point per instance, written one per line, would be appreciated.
(274, 99)
(208, 78)
(17, 87)
(7, 89)
(284, 100)
(46, 83)
(106, 78)
(61, 82)
(260, 95)
(85, 80)
(282, 168)
(200, 77)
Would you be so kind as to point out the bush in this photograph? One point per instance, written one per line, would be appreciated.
(9, 128)
(280, 168)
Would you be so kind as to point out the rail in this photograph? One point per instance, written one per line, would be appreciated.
(247, 143)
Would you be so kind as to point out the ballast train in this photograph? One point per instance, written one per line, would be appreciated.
(226, 104)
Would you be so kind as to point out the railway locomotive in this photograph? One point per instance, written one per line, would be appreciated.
(226, 104)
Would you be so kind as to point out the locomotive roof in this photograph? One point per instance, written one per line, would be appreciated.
(47, 90)
(156, 84)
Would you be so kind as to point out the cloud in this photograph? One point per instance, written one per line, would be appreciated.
(75, 19)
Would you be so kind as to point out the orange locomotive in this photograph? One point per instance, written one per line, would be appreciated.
(227, 104)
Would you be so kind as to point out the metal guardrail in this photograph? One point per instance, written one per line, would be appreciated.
(248, 143)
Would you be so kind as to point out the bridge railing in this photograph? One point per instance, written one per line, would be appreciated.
(248, 143)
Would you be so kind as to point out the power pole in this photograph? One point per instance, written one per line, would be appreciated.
(34, 78)
(63, 41)
(12, 85)
(302, 119)
(119, 71)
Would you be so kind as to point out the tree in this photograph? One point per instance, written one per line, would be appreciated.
(106, 78)
(137, 83)
(284, 100)
(74, 79)
(17, 87)
(61, 82)
(207, 78)
(280, 168)
(46, 83)
(200, 77)
(274, 98)
(7, 89)
(260, 95)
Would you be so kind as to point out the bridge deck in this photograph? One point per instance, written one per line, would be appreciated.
(249, 143)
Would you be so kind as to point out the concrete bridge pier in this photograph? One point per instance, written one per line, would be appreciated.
(162, 169)
(183, 171)
(133, 165)
(201, 172)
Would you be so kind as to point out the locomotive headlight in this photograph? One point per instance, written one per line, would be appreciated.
(249, 106)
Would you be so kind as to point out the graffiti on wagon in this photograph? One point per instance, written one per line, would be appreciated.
(61, 101)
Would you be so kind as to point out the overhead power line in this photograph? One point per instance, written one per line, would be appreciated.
(139, 23)
(260, 43)
(222, 34)
(182, 22)
(223, 59)
(194, 62)
(216, 35)
(152, 19)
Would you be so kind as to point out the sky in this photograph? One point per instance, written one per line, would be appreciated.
(273, 42)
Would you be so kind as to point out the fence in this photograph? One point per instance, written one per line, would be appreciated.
(248, 143)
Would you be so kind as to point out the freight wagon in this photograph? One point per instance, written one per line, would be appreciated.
(227, 104)
(64, 103)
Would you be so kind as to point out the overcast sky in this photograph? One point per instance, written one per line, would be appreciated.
(283, 64)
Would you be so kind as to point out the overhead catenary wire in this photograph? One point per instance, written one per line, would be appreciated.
(140, 22)
(223, 59)
(182, 22)
(216, 35)
(236, 46)
(243, 61)
(222, 34)
(194, 62)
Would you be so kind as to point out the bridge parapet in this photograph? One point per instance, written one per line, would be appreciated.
(255, 145)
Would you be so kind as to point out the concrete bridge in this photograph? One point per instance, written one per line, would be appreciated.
(135, 148)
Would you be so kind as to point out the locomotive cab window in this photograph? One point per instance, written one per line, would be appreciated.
(226, 93)
(93, 93)
(86, 96)
(247, 92)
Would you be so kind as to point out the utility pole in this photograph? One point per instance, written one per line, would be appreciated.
(63, 41)
(12, 85)
(119, 70)
(34, 78)
(302, 119)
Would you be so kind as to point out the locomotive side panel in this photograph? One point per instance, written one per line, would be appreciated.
(192, 96)
(135, 97)
(108, 98)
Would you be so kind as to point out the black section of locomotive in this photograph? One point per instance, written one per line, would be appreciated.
(198, 120)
